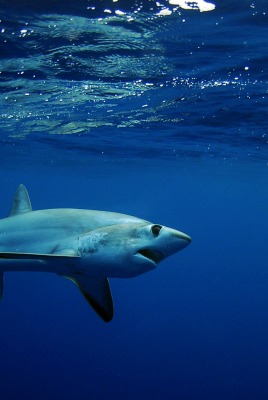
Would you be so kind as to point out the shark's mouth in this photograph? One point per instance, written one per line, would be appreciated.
(152, 255)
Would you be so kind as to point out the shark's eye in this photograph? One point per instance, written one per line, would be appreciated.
(156, 229)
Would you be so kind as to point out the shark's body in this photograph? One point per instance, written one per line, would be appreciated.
(86, 246)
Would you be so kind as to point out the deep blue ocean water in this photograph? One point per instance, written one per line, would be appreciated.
(158, 110)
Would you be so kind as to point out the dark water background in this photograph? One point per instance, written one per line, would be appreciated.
(161, 113)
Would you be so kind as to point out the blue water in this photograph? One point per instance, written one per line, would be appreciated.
(157, 111)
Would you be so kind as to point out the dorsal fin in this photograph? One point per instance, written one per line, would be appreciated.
(21, 202)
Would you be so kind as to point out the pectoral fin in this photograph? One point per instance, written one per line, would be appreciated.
(35, 256)
(97, 292)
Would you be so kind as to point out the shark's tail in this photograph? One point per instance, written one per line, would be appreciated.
(1, 284)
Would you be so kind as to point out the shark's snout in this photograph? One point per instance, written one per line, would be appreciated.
(183, 236)
(182, 240)
(176, 241)
(167, 242)
(178, 237)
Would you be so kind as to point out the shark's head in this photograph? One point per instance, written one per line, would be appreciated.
(130, 249)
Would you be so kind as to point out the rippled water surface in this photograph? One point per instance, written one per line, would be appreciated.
(146, 79)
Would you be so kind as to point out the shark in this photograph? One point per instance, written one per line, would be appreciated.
(85, 246)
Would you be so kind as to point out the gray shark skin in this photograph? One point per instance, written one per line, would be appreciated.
(85, 246)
